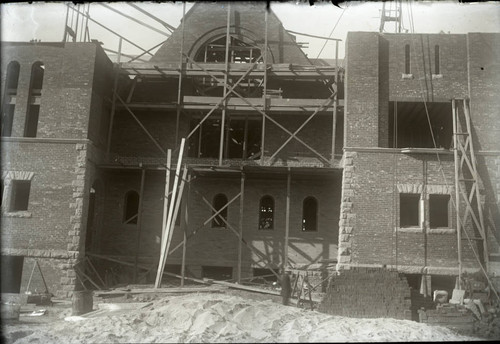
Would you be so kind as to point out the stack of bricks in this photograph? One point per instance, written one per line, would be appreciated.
(454, 317)
(368, 293)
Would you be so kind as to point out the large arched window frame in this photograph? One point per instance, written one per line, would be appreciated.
(241, 50)
(219, 202)
(266, 213)
(131, 207)
(310, 214)
(35, 92)
(9, 97)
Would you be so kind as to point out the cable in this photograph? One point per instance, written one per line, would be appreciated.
(330, 35)
(412, 27)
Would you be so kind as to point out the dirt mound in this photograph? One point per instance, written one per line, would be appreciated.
(227, 318)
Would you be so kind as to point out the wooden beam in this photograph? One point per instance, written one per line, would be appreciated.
(336, 101)
(166, 229)
(457, 191)
(264, 95)
(222, 125)
(242, 200)
(282, 127)
(113, 108)
(166, 193)
(140, 124)
(253, 249)
(113, 32)
(179, 85)
(134, 19)
(184, 228)
(287, 219)
(139, 222)
(294, 134)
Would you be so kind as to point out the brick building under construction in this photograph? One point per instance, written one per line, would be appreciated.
(271, 161)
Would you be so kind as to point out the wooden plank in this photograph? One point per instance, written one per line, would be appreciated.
(209, 289)
(166, 192)
(242, 199)
(247, 288)
(287, 219)
(139, 222)
(457, 190)
(184, 228)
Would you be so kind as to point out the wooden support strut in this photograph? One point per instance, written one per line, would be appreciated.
(231, 90)
(253, 249)
(242, 200)
(139, 222)
(184, 228)
(166, 230)
(287, 219)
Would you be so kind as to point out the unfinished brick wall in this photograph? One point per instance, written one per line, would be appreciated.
(368, 293)
(369, 222)
(52, 229)
(68, 76)
(206, 20)
(219, 247)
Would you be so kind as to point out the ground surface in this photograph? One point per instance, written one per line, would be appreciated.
(214, 317)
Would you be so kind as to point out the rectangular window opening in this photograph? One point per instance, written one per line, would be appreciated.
(20, 195)
(439, 211)
(409, 210)
(242, 139)
(409, 125)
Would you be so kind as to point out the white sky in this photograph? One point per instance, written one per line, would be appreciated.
(45, 21)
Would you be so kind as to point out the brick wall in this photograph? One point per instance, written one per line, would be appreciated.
(205, 21)
(369, 212)
(368, 293)
(215, 246)
(68, 76)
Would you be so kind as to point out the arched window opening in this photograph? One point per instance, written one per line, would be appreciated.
(131, 207)
(36, 83)
(309, 214)
(9, 97)
(407, 59)
(219, 202)
(437, 69)
(266, 213)
(214, 51)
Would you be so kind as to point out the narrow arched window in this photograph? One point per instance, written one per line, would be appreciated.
(309, 214)
(437, 69)
(36, 83)
(407, 59)
(219, 202)
(131, 207)
(266, 213)
(9, 97)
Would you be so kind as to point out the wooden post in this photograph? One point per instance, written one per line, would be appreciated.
(287, 219)
(335, 101)
(167, 191)
(166, 229)
(139, 222)
(181, 68)
(264, 95)
(242, 199)
(457, 192)
(113, 105)
(224, 104)
(184, 227)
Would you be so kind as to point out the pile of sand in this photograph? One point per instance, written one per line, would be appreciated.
(227, 318)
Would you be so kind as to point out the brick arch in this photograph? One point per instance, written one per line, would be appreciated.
(243, 34)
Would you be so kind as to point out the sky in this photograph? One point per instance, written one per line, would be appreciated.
(45, 21)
